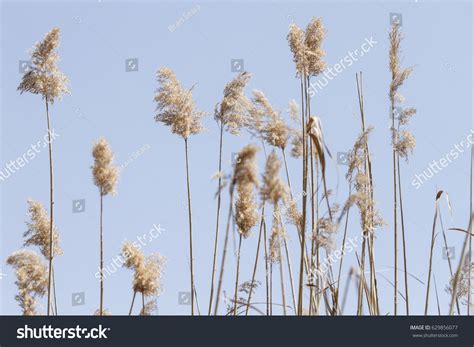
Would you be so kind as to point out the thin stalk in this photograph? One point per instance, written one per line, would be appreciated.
(254, 273)
(343, 243)
(217, 220)
(51, 203)
(101, 254)
(304, 187)
(267, 282)
(403, 237)
(395, 205)
(449, 258)
(428, 282)
(466, 241)
(282, 282)
(133, 301)
(143, 304)
(54, 294)
(288, 260)
(311, 290)
(191, 260)
(224, 252)
(237, 272)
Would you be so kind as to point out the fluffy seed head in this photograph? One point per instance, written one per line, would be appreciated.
(314, 37)
(148, 277)
(104, 172)
(273, 188)
(175, 106)
(134, 258)
(31, 279)
(246, 178)
(232, 111)
(38, 231)
(296, 41)
(274, 131)
(44, 77)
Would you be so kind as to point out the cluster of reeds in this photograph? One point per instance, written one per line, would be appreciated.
(293, 213)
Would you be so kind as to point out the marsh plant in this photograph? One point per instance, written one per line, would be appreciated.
(266, 210)
(175, 108)
(45, 78)
(105, 175)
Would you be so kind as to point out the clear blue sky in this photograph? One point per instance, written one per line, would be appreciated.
(96, 39)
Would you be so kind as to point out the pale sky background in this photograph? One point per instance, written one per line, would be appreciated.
(96, 39)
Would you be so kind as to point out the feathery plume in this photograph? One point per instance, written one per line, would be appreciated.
(296, 41)
(232, 111)
(175, 105)
(273, 188)
(306, 47)
(39, 230)
(246, 178)
(150, 307)
(463, 288)
(31, 279)
(274, 131)
(274, 242)
(148, 277)
(134, 258)
(44, 77)
(314, 37)
(104, 172)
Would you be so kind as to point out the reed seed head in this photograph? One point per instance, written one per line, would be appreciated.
(314, 37)
(273, 188)
(104, 172)
(31, 279)
(274, 131)
(232, 111)
(175, 105)
(134, 258)
(38, 232)
(246, 178)
(44, 77)
(148, 277)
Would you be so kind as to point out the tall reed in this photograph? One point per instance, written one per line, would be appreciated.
(230, 114)
(403, 142)
(176, 109)
(105, 176)
(246, 215)
(45, 78)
